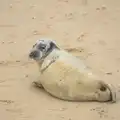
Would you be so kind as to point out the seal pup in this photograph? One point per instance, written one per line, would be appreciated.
(67, 77)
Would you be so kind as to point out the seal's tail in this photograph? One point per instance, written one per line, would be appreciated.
(112, 91)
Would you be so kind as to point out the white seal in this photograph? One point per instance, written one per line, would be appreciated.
(67, 77)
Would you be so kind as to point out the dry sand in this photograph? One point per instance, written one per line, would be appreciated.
(93, 26)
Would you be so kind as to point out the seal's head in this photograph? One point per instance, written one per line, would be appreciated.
(42, 48)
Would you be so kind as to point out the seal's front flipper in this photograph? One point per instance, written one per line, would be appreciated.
(38, 84)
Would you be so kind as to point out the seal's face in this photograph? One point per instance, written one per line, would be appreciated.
(42, 48)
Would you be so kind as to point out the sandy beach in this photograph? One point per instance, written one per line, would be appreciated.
(92, 26)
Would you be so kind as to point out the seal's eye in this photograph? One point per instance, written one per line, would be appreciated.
(41, 47)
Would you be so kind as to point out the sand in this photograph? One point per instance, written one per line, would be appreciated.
(92, 26)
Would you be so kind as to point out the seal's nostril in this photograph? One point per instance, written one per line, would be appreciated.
(33, 54)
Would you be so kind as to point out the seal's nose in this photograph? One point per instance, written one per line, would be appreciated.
(34, 54)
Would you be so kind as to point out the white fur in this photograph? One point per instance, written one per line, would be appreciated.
(68, 78)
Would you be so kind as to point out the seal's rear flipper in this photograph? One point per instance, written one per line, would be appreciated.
(113, 92)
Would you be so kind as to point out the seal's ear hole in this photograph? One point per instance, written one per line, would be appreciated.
(53, 45)
(103, 88)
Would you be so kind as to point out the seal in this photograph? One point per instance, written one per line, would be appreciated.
(66, 77)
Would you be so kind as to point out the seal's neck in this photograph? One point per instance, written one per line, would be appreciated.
(48, 60)
(53, 48)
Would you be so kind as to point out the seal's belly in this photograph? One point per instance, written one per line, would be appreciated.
(67, 82)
